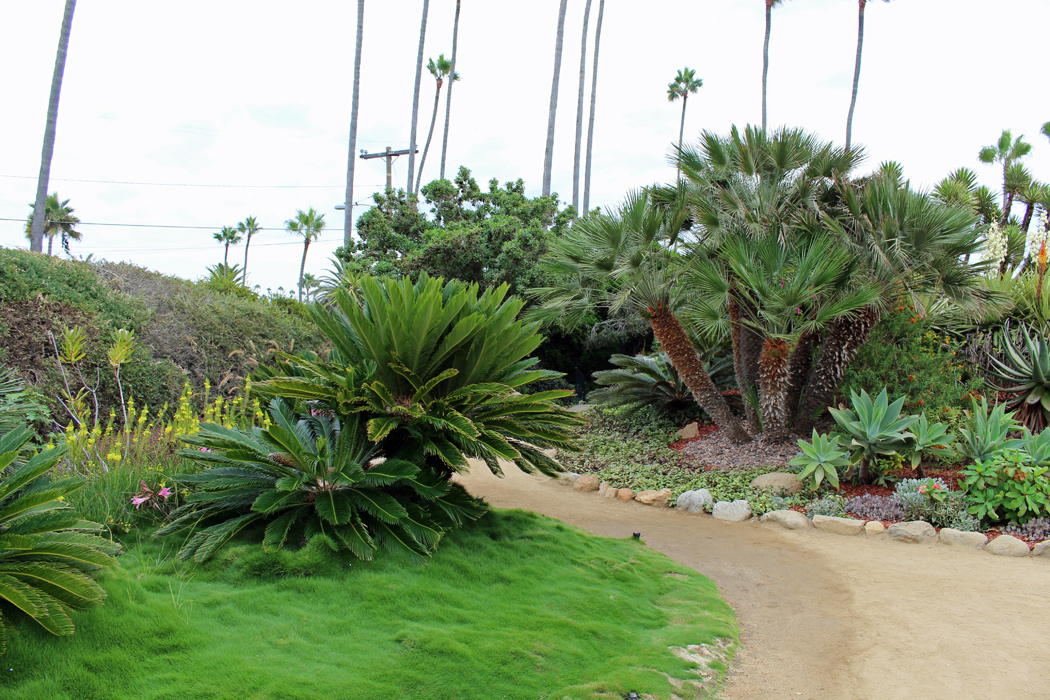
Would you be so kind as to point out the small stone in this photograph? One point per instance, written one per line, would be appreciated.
(604, 489)
(958, 538)
(735, 512)
(689, 431)
(838, 526)
(568, 478)
(654, 498)
(625, 495)
(873, 528)
(1041, 549)
(587, 482)
(791, 519)
(698, 501)
(779, 483)
(914, 531)
(550, 452)
(1007, 546)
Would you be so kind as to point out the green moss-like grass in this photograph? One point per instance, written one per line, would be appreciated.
(515, 606)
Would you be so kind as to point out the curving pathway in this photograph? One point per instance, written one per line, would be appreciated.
(826, 617)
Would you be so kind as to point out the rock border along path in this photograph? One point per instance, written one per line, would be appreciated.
(859, 617)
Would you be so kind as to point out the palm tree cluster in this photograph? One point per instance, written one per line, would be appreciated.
(58, 221)
(773, 239)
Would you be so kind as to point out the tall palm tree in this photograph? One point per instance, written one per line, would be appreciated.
(227, 236)
(579, 110)
(36, 240)
(856, 69)
(684, 84)
(415, 97)
(249, 227)
(440, 70)
(448, 93)
(309, 225)
(548, 155)
(1006, 151)
(348, 202)
(770, 4)
(594, 97)
(58, 220)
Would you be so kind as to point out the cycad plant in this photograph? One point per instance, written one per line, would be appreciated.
(47, 553)
(640, 381)
(1026, 374)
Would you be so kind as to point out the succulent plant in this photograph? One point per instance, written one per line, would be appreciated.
(876, 427)
(821, 460)
(1035, 530)
(833, 506)
(872, 507)
(1027, 377)
(987, 435)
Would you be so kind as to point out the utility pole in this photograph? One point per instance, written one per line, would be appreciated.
(389, 155)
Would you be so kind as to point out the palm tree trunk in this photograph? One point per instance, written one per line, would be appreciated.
(36, 239)
(774, 377)
(594, 93)
(681, 129)
(668, 330)
(226, 255)
(415, 98)
(248, 242)
(430, 134)
(1007, 206)
(801, 365)
(348, 201)
(743, 379)
(579, 111)
(1028, 211)
(548, 155)
(846, 337)
(448, 95)
(856, 72)
(302, 268)
(765, 59)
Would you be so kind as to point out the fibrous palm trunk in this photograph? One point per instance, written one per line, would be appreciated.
(430, 134)
(1029, 210)
(548, 155)
(774, 377)
(765, 59)
(594, 92)
(348, 203)
(801, 364)
(248, 242)
(36, 233)
(856, 72)
(415, 99)
(579, 111)
(226, 256)
(448, 93)
(845, 338)
(668, 330)
(743, 376)
(302, 268)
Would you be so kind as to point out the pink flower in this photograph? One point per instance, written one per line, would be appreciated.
(164, 493)
(138, 501)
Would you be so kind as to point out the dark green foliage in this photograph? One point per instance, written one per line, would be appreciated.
(1008, 487)
(1026, 374)
(640, 381)
(18, 404)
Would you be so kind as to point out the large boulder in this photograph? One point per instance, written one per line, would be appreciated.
(587, 482)
(914, 531)
(780, 483)
(734, 512)
(838, 526)
(1007, 546)
(791, 519)
(689, 431)
(654, 498)
(625, 495)
(698, 501)
(568, 478)
(958, 538)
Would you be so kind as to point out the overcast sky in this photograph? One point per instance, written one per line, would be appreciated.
(209, 97)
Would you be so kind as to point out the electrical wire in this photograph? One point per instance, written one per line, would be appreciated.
(183, 184)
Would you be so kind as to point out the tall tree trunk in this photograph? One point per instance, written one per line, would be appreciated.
(247, 242)
(798, 372)
(774, 378)
(846, 337)
(415, 98)
(226, 255)
(348, 203)
(594, 93)
(1007, 206)
(668, 330)
(430, 134)
(1028, 211)
(548, 155)
(36, 233)
(743, 378)
(579, 111)
(765, 59)
(448, 94)
(681, 129)
(302, 269)
(856, 71)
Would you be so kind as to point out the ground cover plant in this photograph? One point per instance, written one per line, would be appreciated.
(487, 617)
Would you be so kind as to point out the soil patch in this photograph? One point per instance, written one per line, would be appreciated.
(712, 449)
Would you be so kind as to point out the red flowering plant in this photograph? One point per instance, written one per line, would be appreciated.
(154, 498)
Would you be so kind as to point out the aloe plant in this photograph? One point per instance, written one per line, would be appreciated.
(1026, 377)
(820, 460)
(987, 434)
(929, 436)
(876, 428)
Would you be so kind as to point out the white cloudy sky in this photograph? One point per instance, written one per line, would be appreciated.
(257, 92)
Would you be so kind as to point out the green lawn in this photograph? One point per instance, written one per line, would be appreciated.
(515, 606)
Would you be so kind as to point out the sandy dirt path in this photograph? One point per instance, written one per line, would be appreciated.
(827, 617)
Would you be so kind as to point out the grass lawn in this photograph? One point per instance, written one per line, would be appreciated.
(514, 606)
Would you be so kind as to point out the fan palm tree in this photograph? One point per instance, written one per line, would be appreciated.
(1031, 194)
(415, 97)
(579, 110)
(861, 4)
(227, 236)
(58, 220)
(440, 69)
(248, 228)
(36, 239)
(348, 200)
(1016, 182)
(1006, 151)
(309, 225)
(770, 4)
(548, 154)
(685, 84)
(448, 93)
(594, 98)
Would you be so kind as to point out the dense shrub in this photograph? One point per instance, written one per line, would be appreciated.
(833, 506)
(873, 507)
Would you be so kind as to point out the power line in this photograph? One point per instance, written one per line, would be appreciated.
(183, 184)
